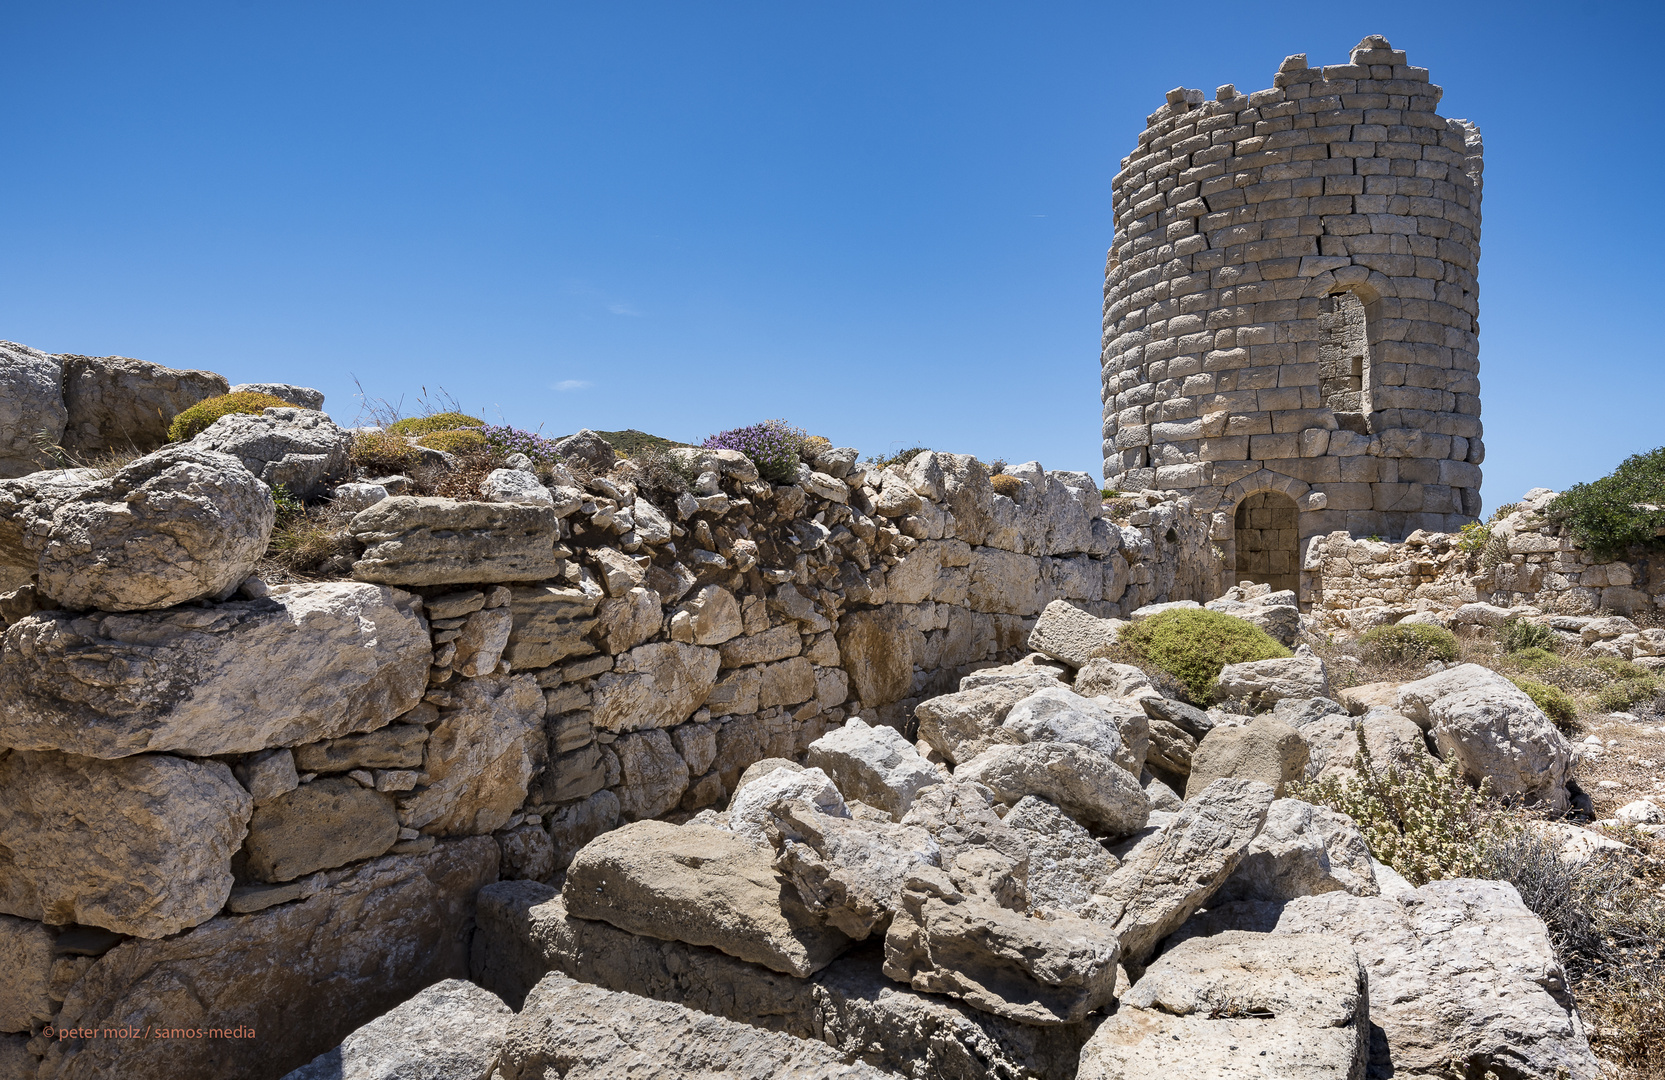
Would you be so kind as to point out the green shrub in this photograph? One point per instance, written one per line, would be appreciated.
(1535, 658)
(195, 420)
(1518, 634)
(1624, 508)
(1623, 694)
(459, 441)
(1417, 644)
(378, 453)
(1008, 486)
(1109, 493)
(1473, 537)
(1193, 644)
(1426, 823)
(1556, 703)
(428, 425)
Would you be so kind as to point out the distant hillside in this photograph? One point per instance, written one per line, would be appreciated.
(632, 442)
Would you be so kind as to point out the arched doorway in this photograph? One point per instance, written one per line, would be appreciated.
(1268, 541)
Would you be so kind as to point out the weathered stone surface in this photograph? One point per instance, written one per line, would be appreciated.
(1065, 632)
(749, 810)
(1086, 785)
(761, 648)
(479, 758)
(525, 851)
(393, 926)
(848, 871)
(1005, 583)
(1036, 971)
(961, 725)
(450, 1031)
(1060, 715)
(1264, 749)
(1282, 622)
(300, 449)
(1065, 863)
(515, 486)
(652, 775)
(26, 957)
(1102, 678)
(1394, 741)
(654, 686)
(1462, 977)
(1187, 718)
(28, 499)
(1492, 728)
(178, 525)
(627, 621)
(1303, 850)
(714, 615)
(31, 408)
(118, 403)
(412, 540)
(140, 846)
(1169, 874)
(550, 624)
(525, 933)
(588, 447)
(309, 662)
(1239, 1005)
(577, 823)
(481, 642)
(878, 654)
(874, 764)
(1299, 713)
(1170, 750)
(327, 823)
(580, 1032)
(618, 572)
(701, 885)
(1263, 682)
(303, 397)
(397, 746)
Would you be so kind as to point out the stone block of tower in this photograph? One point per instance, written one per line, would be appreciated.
(1291, 311)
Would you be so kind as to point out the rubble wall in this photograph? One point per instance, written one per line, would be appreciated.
(1291, 304)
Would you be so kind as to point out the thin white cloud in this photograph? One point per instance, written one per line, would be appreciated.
(619, 307)
(571, 384)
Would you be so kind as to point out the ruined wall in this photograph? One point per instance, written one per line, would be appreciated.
(1291, 301)
(284, 795)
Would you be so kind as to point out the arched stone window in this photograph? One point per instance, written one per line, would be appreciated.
(1344, 359)
(1268, 540)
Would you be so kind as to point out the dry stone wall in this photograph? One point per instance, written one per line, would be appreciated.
(1291, 302)
(196, 791)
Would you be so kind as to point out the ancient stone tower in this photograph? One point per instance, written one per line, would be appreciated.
(1290, 310)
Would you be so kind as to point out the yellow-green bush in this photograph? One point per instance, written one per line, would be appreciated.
(1556, 703)
(1193, 644)
(428, 425)
(379, 452)
(194, 421)
(814, 447)
(1005, 485)
(1623, 693)
(1535, 658)
(1416, 643)
(460, 441)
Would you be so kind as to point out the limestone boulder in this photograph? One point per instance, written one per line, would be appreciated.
(1085, 784)
(874, 764)
(1239, 1004)
(1303, 850)
(308, 662)
(1065, 863)
(416, 540)
(26, 501)
(1462, 975)
(1488, 725)
(1066, 633)
(327, 823)
(1282, 622)
(701, 885)
(515, 486)
(118, 403)
(878, 654)
(31, 408)
(1102, 678)
(1187, 718)
(590, 448)
(750, 810)
(624, 622)
(1366, 696)
(580, 1032)
(654, 686)
(450, 1031)
(479, 757)
(960, 816)
(653, 777)
(1170, 751)
(480, 643)
(1035, 971)
(1060, 715)
(1264, 749)
(140, 846)
(848, 871)
(1299, 713)
(550, 624)
(393, 926)
(1265, 682)
(178, 525)
(1393, 741)
(1174, 871)
(300, 449)
(303, 397)
(961, 725)
(26, 950)
(713, 616)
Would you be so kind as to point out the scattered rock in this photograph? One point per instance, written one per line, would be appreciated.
(31, 408)
(962, 725)
(1302, 850)
(1264, 749)
(749, 810)
(515, 486)
(1060, 715)
(1065, 863)
(116, 403)
(1085, 784)
(1065, 632)
(300, 449)
(848, 871)
(450, 1031)
(303, 397)
(590, 448)
(874, 764)
(1263, 682)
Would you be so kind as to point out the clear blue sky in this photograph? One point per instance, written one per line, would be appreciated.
(884, 222)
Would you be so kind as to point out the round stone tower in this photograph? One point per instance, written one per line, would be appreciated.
(1290, 310)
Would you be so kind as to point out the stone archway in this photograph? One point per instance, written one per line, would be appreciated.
(1268, 541)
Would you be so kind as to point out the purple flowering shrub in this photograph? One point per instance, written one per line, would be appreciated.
(503, 441)
(772, 445)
